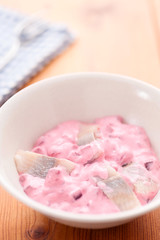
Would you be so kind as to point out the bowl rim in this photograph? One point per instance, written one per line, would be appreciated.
(70, 216)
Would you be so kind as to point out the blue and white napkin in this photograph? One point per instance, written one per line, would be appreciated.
(32, 57)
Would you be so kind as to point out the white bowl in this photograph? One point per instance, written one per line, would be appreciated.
(80, 96)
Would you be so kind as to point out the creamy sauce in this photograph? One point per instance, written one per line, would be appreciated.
(124, 147)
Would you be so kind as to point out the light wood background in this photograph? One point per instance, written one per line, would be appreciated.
(118, 36)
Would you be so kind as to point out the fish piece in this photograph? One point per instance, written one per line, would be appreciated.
(140, 179)
(111, 171)
(147, 187)
(119, 192)
(38, 164)
(87, 134)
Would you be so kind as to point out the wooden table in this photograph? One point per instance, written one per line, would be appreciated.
(118, 36)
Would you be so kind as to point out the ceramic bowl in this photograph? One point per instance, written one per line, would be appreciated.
(80, 96)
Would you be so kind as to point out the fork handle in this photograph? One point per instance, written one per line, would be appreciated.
(9, 55)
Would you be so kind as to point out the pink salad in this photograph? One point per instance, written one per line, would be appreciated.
(106, 166)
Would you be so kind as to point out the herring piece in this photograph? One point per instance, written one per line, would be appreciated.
(87, 134)
(119, 192)
(37, 164)
(111, 171)
(141, 181)
(145, 188)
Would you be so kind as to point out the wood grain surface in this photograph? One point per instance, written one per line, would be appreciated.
(118, 36)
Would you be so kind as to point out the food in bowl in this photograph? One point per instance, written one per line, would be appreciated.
(103, 167)
(78, 96)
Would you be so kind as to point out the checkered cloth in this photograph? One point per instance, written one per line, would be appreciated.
(32, 57)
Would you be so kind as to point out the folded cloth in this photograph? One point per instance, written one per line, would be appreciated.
(31, 57)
